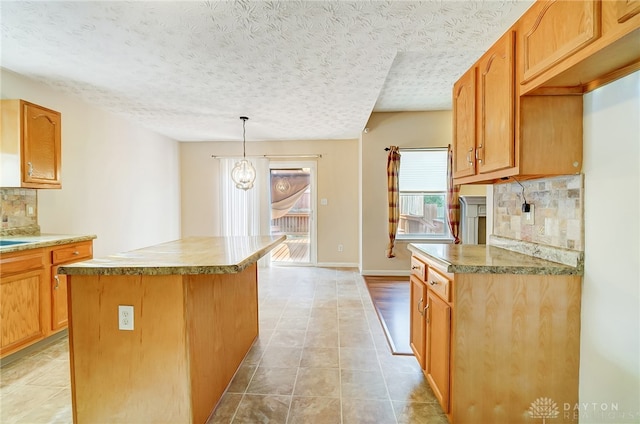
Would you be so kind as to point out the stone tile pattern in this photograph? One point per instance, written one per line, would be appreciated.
(559, 211)
(13, 211)
(321, 357)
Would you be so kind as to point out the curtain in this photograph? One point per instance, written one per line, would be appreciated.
(453, 202)
(240, 210)
(286, 190)
(393, 172)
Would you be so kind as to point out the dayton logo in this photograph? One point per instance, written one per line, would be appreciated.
(544, 408)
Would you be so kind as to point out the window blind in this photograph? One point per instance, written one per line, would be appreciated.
(423, 170)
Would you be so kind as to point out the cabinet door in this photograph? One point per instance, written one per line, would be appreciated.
(438, 348)
(554, 30)
(464, 125)
(59, 310)
(627, 9)
(41, 147)
(21, 314)
(496, 141)
(418, 324)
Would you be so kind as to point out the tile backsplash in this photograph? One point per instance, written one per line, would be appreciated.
(19, 211)
(558, 211)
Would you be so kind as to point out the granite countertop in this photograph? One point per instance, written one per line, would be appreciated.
(487, 259)
(188, 256)
(41, 240)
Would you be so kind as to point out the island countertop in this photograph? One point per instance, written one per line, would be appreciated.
(188, 256)
(487, 259)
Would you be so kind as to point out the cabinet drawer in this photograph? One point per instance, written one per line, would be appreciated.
(72, 252)
(439, 284)
(21, 262)
(418, 268)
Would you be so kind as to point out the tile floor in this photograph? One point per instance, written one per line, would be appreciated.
(321, 358)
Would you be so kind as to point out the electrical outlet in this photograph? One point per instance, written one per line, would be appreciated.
(340, 248)
(528, 216)
(125, 317)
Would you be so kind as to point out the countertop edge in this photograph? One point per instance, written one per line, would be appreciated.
(233, 268)
(549, 268)
(48, 241)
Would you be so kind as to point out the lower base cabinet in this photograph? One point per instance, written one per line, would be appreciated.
(33, 297)
(496, 344)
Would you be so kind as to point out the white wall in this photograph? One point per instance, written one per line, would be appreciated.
(610, 336)
(119, 181)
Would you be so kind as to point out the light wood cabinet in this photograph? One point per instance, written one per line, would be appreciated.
(497, 342)
(62, 255)
(464, 124)
(522, 137)
(30, 146)
(23, 287)
(438, 315)
(418, 326)
(554, 30)
(33, 296)
(576, 46)
(495, 148)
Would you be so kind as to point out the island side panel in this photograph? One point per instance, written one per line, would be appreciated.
(516, 340)
(222, 324)
(128, 376)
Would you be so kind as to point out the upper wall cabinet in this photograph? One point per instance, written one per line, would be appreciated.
(498, 134)
(30, 147)
(577, 45)
(553, 30)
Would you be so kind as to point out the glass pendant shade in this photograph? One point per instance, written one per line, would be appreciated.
(243, 174)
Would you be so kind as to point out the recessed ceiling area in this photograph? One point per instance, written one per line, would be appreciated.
(299, 69)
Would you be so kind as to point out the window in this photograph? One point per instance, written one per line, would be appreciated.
(423, 194)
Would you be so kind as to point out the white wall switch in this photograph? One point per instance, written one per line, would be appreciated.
(323, 202)
(125, 317)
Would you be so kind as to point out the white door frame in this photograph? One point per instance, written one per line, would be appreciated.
(312, 165)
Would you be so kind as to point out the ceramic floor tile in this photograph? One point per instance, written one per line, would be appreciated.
(424, 413)
(273, 381)
(320, 357)
(363, 411)
(318, 382)
(321, 338)
(314, 410)
(226, 409)
(359, 359)
(282, 357)
(287, 338)
(271, 409)
(409, 387)
(360, 384)
(241, 380)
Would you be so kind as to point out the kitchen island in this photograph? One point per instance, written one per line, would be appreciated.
(192, 316)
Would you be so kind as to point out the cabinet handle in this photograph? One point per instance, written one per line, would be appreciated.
(469, 157)
(477, 153)
(433, 283)
(30, 171)
(57, 282)
(415, 267)
(419, 307)
(425, 311)
(76, 253)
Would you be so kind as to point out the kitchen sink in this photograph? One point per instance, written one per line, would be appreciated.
(11, 242)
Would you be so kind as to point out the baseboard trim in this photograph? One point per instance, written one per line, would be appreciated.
(386, 272)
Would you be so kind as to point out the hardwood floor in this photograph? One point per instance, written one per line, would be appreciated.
(292, 250)
(390, 296)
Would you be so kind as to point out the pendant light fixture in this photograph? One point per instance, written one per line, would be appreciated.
(243, 174)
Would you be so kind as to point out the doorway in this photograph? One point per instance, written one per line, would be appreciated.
(292, 199)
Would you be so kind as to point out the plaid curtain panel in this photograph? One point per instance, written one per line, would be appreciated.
(393, 171)
(453, 202)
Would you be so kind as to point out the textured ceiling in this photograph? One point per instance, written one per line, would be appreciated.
(298, 69)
